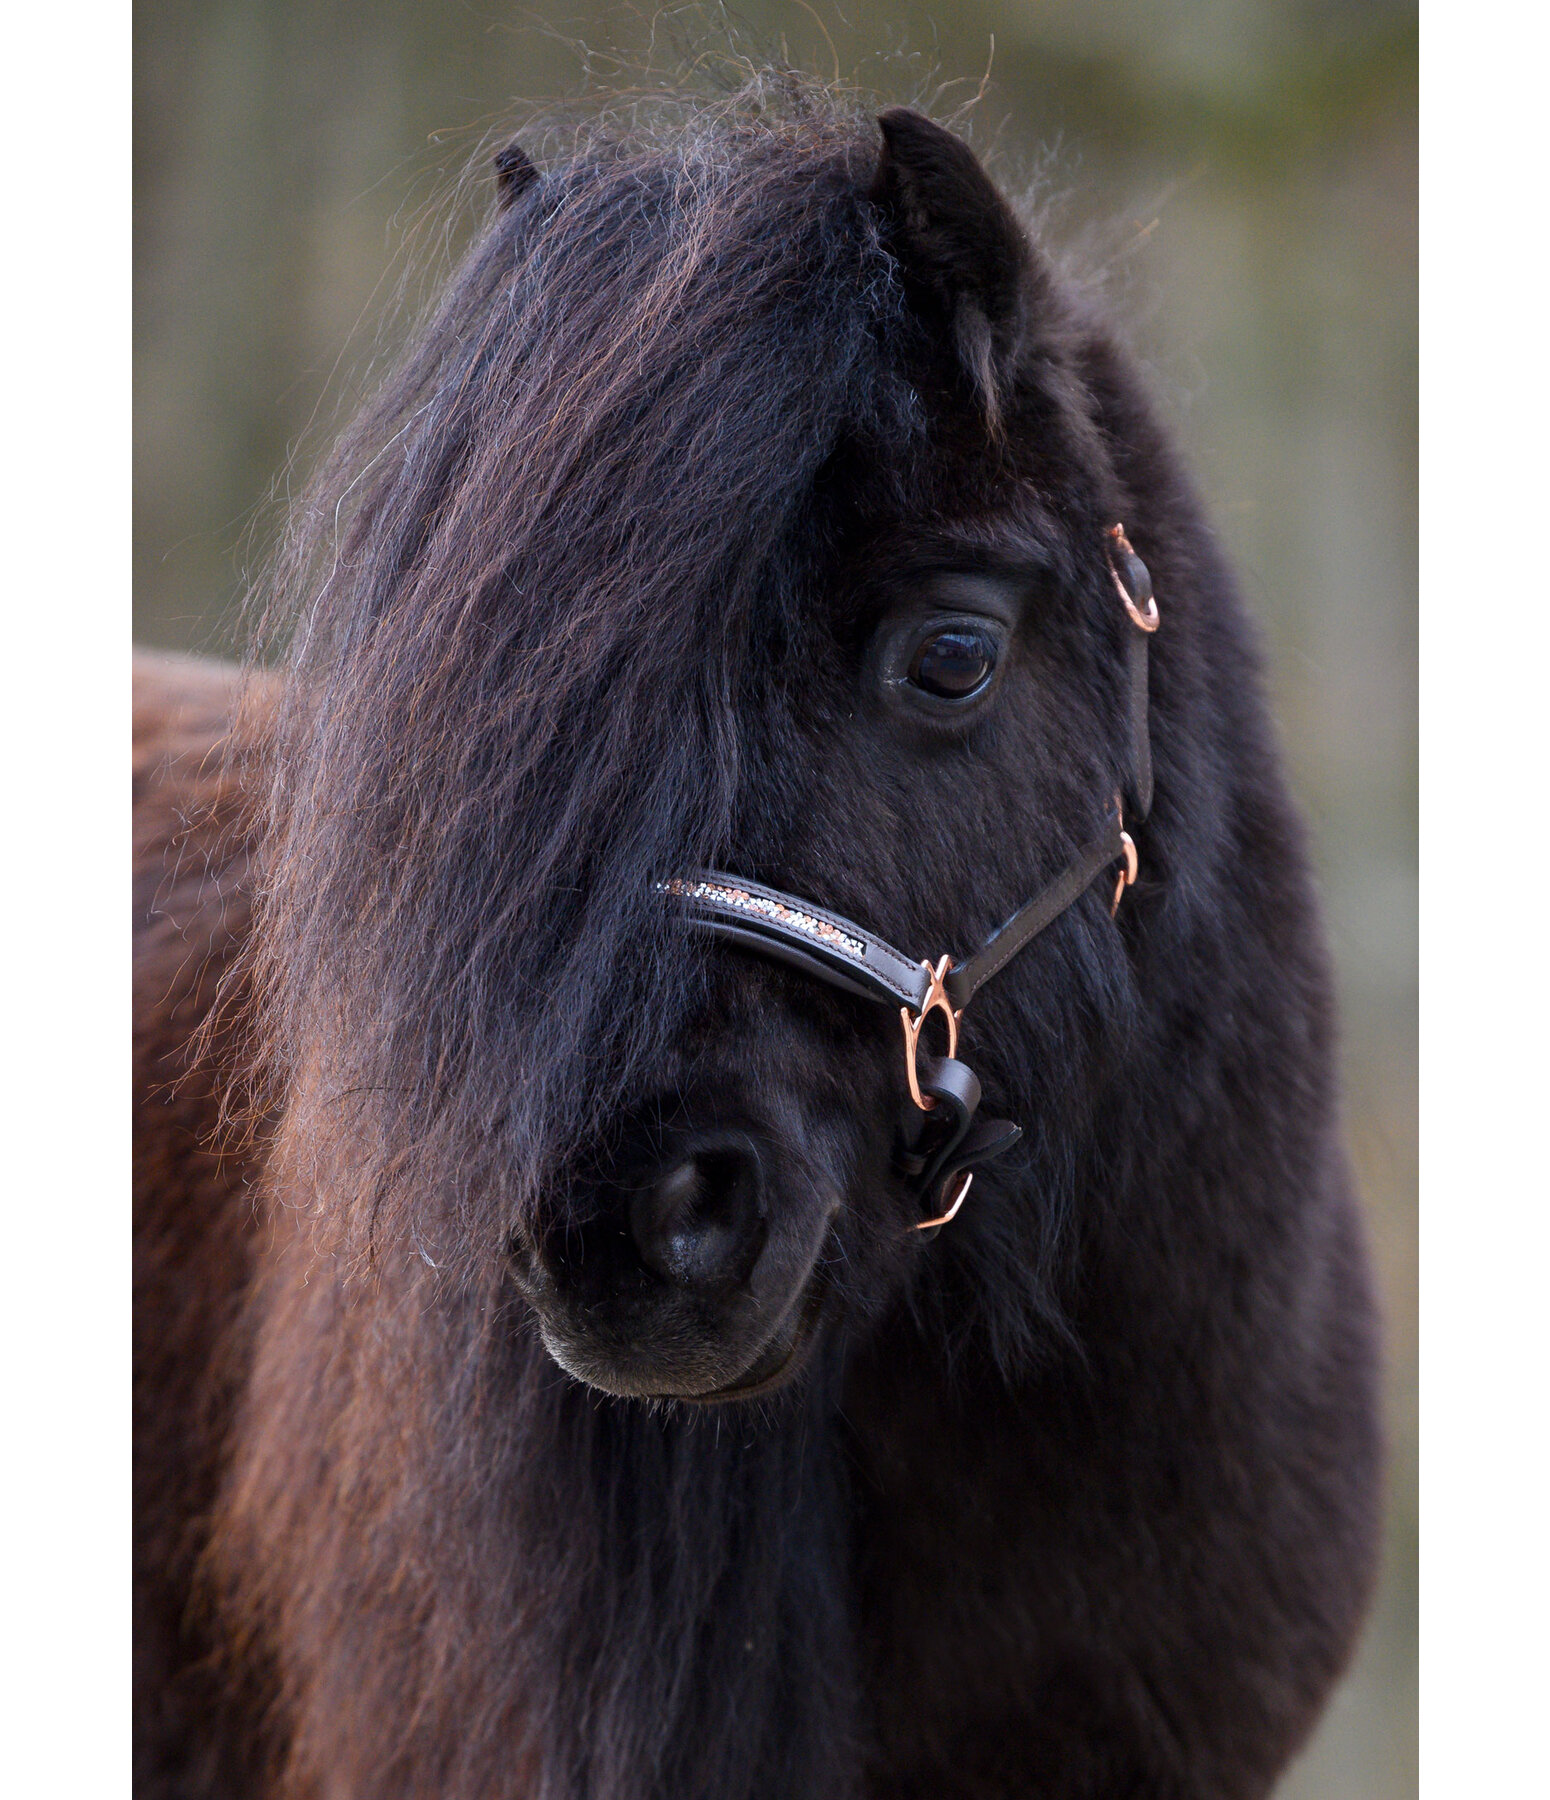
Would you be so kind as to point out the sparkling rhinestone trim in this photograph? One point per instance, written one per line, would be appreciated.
(740, 900)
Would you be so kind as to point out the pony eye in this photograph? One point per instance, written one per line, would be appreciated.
(954, 664)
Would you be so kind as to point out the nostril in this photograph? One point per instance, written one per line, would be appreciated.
(700, 1223)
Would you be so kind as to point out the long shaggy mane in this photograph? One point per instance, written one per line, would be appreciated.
(520, 598)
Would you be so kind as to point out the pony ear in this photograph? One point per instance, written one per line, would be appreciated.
(956, 238)
(514, 174)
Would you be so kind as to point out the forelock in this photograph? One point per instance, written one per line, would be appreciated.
(523, 589)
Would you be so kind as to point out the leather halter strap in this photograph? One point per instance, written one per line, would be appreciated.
(793, 931)
(847, 956)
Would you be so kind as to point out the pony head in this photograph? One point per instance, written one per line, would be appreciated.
(742, 505)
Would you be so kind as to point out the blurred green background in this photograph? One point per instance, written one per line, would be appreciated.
(1239, 175)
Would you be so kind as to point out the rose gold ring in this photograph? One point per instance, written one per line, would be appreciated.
(1151, 618)
(966, 1176)
(935, 1001)
(1132, 864)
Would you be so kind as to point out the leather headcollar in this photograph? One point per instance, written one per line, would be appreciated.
(939, 1141)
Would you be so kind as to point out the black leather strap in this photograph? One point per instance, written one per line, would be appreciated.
(928, 1139)
(966, 978)
(1133, 583)
(1139, 788)
(821, 943)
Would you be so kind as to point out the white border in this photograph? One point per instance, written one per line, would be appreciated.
(1485, 1100)
(64, 1024)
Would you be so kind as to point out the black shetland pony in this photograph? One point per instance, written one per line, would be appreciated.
(551, 1396)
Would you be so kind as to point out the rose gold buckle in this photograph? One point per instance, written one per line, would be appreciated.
(1132, 863)
(935, 1001)
(1151, 618)
(966, 1176)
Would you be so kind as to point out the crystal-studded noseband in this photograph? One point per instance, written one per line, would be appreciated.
(940, 1142)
